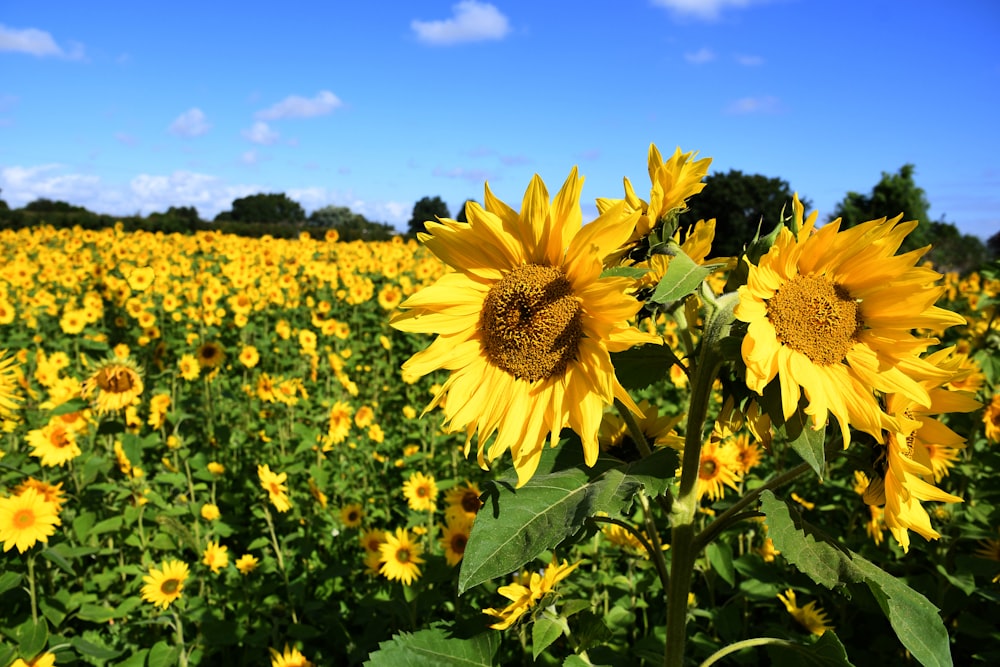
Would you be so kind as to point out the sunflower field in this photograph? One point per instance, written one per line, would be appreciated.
(219, 450)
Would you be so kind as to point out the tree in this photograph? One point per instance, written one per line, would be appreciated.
(176, 219)
(350, 226)
(427, 209)
(43, 205)
(3, 206)
(740, 203)
(993, 244)
(894, 194)
(267, 208)
(460, 216)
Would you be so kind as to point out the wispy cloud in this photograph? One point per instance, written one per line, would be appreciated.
(763, 104)
(126, 138)
(37, 43)
(749, 61)
(295, 106)
(473, 175)
(471, 21)
(191, 123)
(515, 160)
(261, 133)
(707, 10)
(700, 57)
(250, 157)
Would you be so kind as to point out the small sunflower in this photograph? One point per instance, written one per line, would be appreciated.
(210, 512)
(247, 563)
(454, 538)
(41, 660)
(189, 367)
(274, 484)
(210, 355)
(372, 539)
(526, 323)
(830, 313)
(249, 356)
(352, 515)
(811, 616)
(463, 500)
(117, 383)
(27, 518)
(421, 492)
(400, 557)
(290, 657)
(54, 444)
(164, 585)
(991, 420)
(718, 469)
(215, 556)
(9, 385)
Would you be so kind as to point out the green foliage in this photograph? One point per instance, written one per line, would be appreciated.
(425, 210)
(460, 215)
(350, 226)
(435, 648)
(266, 208)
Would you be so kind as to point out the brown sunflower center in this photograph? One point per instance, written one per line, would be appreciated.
(403, 555)
(458, 542)
(532, 323)
(115, 379)
(24, 518)
(170, 586)
(471, 502)
(707, 469)
(816, 317)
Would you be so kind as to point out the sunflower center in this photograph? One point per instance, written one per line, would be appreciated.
(24, 518)
(458, 543)
(170, 586)
(816, 317)
(403, 555)
(532, 323)
(707, 469)
(471, 502)
(115, 380)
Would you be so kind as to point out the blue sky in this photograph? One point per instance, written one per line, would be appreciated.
(127, 108)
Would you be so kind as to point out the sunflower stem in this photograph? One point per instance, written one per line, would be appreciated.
(740, 645)
(31, 588)
(682, 543)
(281, 562)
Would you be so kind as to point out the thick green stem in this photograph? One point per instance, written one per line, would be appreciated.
(31, 588)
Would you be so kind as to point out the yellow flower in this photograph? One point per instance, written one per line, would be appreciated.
(188, 366)
(454, 538)
(141, 278)
(658, 431)
(352, 515)
(400, 557)
(164, 585)
(524, 596)
(249, 356)
(27, 518)
(40, 660)
(525, 323)
(210, 355)
(372, 539)
(831, 312)
(246, 564)
(718, 468)
(421, 492)
(991, 420)
(216, 468)
(289, 658)
(462, 501)
(216, 557)
(210, 512)
(274, 484)
(811, 616)
(49, 492)
(54, 443)
(9, 398)
(117, 383)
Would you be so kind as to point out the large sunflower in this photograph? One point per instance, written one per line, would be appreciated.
(525, 322)
(27, 518)
(831, 313)
(163, 585)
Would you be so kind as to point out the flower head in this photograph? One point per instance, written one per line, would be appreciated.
(352, 514)
(289, 658)
(247, 563)
(164, 585)
(811, 617)
(455, 537)
(274, 484)
(27, 518)
(421, 492)
(117, 384)
(525, 322)
(400, 557)
(215, 557)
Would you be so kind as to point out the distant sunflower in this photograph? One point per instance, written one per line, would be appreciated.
(991, 420)
(249, 356)
(210, 355)
(463, 500)
(454, 538)
(340, 422)
(525, 322)
(289, 658)
(352, 514)
(718, 468)
(52, 493)
(400, 557)
(372, 539)
(658, 430)
(247, 563)
(188, 366)
(831, 313)
(215, 556)
(9, 398)
(421, 492)
(811, 616)
(117, 384)
(41, 660)
(274, 484)
(27, 518)
(54, 444)
(163, 585)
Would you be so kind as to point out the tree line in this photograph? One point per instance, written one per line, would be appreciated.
(741, 204)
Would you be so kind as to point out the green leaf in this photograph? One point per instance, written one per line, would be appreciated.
(55, 555)
(163, 654)
(796, 431)
(914, 619)
(655, 472)
(95, 613)
(720, 555)
(682, 277)
(32, 637)
(137, 659)
(516, 525)
(434, 648)
(106, 526)
(9, 581)
(93, 650)
(74, 405)
(82, 525)
(633, 272)
(639, 367)
(827, 651)
(545, 629)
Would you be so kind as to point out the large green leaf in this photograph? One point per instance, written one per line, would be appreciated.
(638, 367)
(435, 648)
(796, 431)
(914, 619)
(683, 276)
(516, 525)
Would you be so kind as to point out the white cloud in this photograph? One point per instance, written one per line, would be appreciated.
(37, 43)
(250, 157)
(700, 57)
(261, 133)
(21, 185)
(473, 175)
(191, 123)
(472, 21)
(395, 213)
(707, 10)
(295, 106)
(762, 104)
(749, 61)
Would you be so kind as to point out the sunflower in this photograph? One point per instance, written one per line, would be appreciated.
(527, 591)
(830, 313)
(210, 512)
(249, 356)
(454, 538)
(215, 557)
(352, 514)
(210, 354)
(372, 539)
(117, 383)
(718, 468)
(274, 484)
(188, 366)
(658, 430)
(41, 660)
(421, 492)
(289, 658)
(164, 585)
(247, 564)
(54, 444)
(27, 518)
(400, 557)
(462, 500)
(991, 420)
(51, 493)
(811, 617)
(9, 384)
(525, 322)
